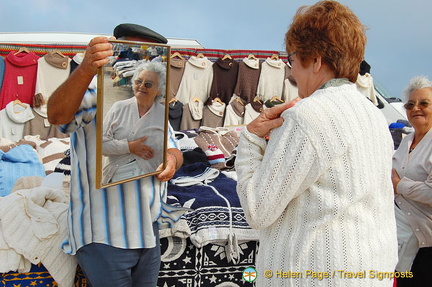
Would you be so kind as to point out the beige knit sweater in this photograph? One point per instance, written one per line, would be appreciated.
(32, 227)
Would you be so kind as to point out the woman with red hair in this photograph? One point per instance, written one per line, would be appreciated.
(319, 189)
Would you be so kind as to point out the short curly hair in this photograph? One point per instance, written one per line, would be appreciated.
(332, 31)
(416, 83)
(156, 67)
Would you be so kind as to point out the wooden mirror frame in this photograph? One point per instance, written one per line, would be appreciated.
(107, 78)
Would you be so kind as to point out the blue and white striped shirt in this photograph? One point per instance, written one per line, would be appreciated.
(121, 215)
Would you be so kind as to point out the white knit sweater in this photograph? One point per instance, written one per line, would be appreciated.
(12, 119)
(33, 223)
(196, 81)
(48, 79)
(322, 197)
(271, 80)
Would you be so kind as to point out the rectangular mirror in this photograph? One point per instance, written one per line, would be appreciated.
(132, 112)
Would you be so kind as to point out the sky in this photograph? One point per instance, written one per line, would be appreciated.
(399, 31)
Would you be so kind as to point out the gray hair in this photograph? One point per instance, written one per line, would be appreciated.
(156, 67)
(418, 82)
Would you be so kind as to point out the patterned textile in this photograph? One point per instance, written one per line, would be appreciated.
(41, 50)
(38, 276)
(216, 214)
(182, 264)
(238, 55)
(211, 54)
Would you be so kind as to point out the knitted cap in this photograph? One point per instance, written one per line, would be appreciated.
(134, 30)
(214, 155)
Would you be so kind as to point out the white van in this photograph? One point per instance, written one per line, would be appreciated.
(77, 39)
(391, 107)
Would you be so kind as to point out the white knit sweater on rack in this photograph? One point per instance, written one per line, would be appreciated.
(196, 80)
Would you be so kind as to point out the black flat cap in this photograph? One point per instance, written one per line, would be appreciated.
(134, 30)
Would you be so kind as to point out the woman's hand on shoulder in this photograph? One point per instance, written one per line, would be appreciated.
(269, 119)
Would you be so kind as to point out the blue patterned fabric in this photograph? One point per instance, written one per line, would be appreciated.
(203, 194)
(215, 213)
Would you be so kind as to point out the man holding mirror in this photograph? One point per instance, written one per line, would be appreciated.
(112, 231)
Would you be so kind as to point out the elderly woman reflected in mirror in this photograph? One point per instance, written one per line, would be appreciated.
(412, 182)
(133, 129)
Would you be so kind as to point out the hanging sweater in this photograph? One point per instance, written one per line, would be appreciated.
(175, 114)
(234, 112)
(176, 74)
(252, 110)
(224, 79)
(13, 118)
(196, 81)
(19, 79)
(192, 115)
(271, 79)
(320, 191)
(365, 84)
(290, 92)
(39, 125)
(52, 70)
(213, 115)
(247, 80)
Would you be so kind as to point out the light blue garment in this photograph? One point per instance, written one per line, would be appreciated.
(20, 161)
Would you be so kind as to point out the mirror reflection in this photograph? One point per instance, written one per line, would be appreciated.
(133, 112)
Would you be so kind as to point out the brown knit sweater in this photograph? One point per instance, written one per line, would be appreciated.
(176, 73)
(224, 80)
(247, 82)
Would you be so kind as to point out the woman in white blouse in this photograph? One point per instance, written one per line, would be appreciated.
(412, 181)
(133, 128)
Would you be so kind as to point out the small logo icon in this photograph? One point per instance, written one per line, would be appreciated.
(249, 274)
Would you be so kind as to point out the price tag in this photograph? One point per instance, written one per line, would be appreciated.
(47, 123)
(20, 80)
